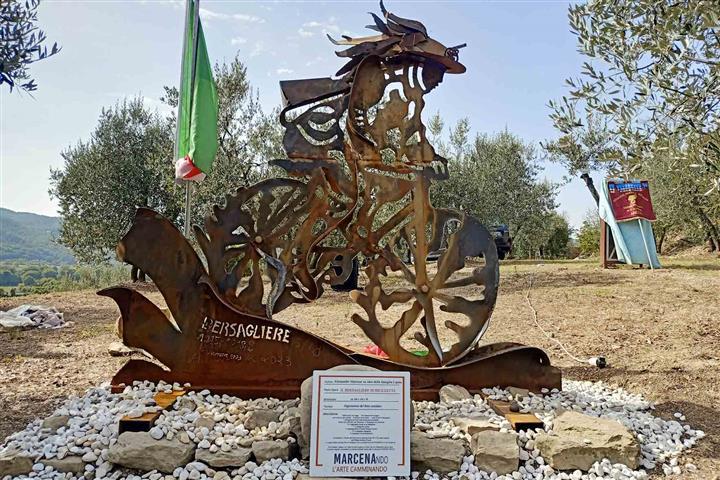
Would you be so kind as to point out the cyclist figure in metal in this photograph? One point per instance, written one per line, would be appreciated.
(359, 170)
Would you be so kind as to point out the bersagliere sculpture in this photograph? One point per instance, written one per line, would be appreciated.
(359, 169)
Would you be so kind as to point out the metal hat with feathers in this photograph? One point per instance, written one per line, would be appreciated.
(397, 35)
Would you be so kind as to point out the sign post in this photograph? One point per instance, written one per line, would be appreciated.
(360, 424)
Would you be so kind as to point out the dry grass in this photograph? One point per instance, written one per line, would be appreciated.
(660, 332)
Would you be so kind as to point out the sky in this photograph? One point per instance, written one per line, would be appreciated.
(518, 55)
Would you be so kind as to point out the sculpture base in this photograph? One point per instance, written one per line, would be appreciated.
(227, 351)
(516, 366)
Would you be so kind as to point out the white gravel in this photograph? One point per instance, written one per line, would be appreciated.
(93, 420)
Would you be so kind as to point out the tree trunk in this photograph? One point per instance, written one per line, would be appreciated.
(713, 232)
(661, 240)
(591, 186)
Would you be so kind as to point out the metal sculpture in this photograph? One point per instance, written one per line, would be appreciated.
(360, 168)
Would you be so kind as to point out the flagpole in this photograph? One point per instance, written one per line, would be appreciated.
(196, 22)
(180, 83)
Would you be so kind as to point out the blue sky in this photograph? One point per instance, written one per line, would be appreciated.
(518, 55)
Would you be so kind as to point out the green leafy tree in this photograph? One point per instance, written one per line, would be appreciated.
(494, 178)
(680, 207)
(558, 243)
(550, 238)
(583, 149)
(589, 234)
(651, 77)
(21, 43)
(128, 163)
(247, 139)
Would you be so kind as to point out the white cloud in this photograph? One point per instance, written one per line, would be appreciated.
(210, 15)
(257, 49)
(284, 71)
(248, 18)
(238, 41)
(315, 61)
(331, 26)
(177, 4)
(325, 27)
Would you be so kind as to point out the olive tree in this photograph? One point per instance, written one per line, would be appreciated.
(21, 43)
(128, 163)
(652, 75)
(495, 178)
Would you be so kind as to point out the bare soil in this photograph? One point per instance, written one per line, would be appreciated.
(659, 330)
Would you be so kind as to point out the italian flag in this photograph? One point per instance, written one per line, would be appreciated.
(197, 106)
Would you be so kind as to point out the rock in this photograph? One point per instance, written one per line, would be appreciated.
(495, 451)
(140, 451)
(206, 422)
(580, 440)
(245, 442)
(186, 402)
(119, 349)
(260, 418)
(55, 422)
(294, 421)
(199, 466)
(71, 463)
(306, 476)
(14, 463)
(441, 455)
(453, 393)
(269, 449)
(473, 425)
(237, 457)
(89, 457)
(517, 392)
(306, 405)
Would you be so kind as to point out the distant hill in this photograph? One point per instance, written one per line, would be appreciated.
(29, 237)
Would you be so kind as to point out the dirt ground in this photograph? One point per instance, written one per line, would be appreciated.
(660, 332)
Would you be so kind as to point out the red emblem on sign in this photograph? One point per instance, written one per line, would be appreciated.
(630, 200)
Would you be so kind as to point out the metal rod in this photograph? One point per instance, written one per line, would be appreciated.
(188, 208)
(188, 187)
(647, 250)
(196, 24)
(180, 86)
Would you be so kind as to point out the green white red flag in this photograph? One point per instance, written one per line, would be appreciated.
(198, 104)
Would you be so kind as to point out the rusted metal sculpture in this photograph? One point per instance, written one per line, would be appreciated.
(360, 168)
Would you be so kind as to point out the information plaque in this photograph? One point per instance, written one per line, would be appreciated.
(360, 424)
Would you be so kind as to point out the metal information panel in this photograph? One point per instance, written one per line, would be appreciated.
(360, 424)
